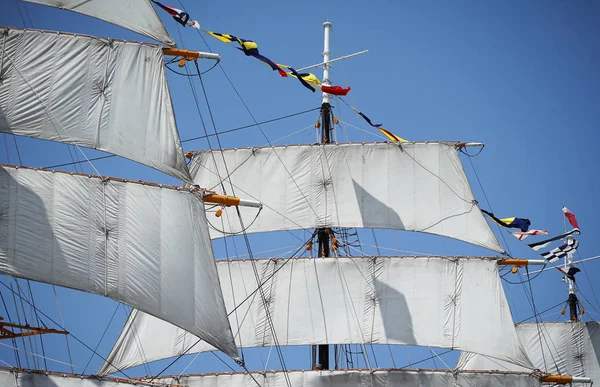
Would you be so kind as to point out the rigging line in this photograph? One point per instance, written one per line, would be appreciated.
(212, 119)
(102, 337)
(365, 131)
(537, 322)
(345, 74)
(234, 309)
(17, 148)
(588, 301)
(36, 355)
(296, 132)
(363, 349)
(71, 334)
(186, 140)
(137, 339)
(63, 324)
(489, 205)
(265, 303)
(18, 316)
(264, 205)
(508, 272)
(191, 75)
(429, 358)
(398, 250)
(252, 125)
(540, 313)
(588, 278)
(266, 138)
(222, 361)
(21, 14)
(17, 360)
(29, 338)
(38, 321)
(6, 147)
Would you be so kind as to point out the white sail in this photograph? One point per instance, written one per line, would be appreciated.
(135, 15)
(412, 186)
(343, 378)
(428, 301)
(559, 348)
(143, 245)
(97, 93)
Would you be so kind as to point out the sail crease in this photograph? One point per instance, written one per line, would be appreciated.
(97, 93)
(158, 257)
(417, 187)
(404, 300)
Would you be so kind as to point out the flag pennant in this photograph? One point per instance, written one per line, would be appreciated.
(180, 16)
(301, 78)
(570, 274)
(249, 48)
(541, 244)
(561, 251)
(367, 119)
(571, 217)
(520, 223)
(520, 235)
(308, 80)
(391, 135)
(335, 90)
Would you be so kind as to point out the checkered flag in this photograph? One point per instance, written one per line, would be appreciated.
(561, 251)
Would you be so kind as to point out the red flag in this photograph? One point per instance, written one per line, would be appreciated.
(335, 90)
(571, 217)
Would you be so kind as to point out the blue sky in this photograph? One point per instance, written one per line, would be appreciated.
(521, 77)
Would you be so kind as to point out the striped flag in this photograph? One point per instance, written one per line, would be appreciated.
(571, 217)
(562, 251)
(391, 135)
(541, 244)
(520, 235)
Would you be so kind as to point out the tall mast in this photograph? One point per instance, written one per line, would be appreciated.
(572, 297)
(321, 352)
(325, 106)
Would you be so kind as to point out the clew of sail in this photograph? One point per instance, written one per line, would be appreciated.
(444, 302)
(413, 186)
(566, 348)
(98, 93)
(135, 15)
(142, 244)
(347, 378)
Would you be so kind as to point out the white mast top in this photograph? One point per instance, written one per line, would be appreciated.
(326, 64)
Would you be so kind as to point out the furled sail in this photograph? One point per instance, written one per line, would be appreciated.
(97, 93)
(410, 186)
(342, 378)
(144, 245)
(135, 15)
(430, 301)
(565, 348)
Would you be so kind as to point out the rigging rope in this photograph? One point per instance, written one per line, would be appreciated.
(102, 337)
(71, 334)
(14, 340)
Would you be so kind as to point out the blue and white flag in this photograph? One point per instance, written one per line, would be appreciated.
(561, 251)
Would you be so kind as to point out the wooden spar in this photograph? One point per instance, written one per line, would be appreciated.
(187, 55)
(230, 201)
(208, 196)
(520, 263)
(26, 330)
(564, 379)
